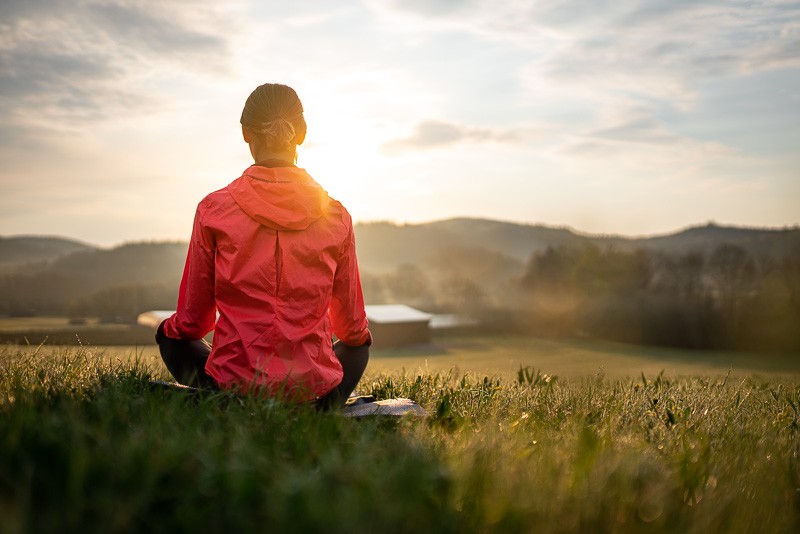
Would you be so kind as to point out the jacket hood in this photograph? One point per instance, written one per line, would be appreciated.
(281, 198)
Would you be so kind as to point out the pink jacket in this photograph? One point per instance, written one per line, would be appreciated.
(275, 256)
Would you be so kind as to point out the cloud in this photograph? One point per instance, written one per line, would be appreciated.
(642, 48)
(626, 128)
(165, 35)
(435, 8)
(638, 127)
(783, 51)
(65, 63)
(434, 133)
(634, 142)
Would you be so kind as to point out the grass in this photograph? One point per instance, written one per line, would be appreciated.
(47, 324)
(503, 355)
(59, 331)
(86, 445)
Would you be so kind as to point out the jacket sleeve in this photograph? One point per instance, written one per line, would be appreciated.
(196, 312)
(348, 318)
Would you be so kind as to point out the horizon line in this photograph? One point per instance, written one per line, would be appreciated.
(708, 224)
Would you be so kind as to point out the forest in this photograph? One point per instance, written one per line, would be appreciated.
(723, 299)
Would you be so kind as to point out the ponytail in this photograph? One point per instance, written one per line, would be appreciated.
(278, 132)
(274, 113)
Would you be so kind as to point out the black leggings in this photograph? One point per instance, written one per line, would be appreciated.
(354, 361)
(186, 360)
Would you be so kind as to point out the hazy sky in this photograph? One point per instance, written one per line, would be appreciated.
(632, 117)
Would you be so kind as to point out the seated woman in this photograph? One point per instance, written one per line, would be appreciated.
(274, 256)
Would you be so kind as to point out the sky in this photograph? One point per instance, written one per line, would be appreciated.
(632, 117)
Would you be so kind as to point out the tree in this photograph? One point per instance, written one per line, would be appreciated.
(124, 302)
(409, 285)
(461, 294)
(374, 289)
(732, 272)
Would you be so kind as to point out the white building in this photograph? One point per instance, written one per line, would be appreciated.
(395, 325)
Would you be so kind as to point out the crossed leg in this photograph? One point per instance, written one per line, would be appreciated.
(186, 360)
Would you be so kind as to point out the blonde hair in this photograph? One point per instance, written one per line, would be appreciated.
(274, 113)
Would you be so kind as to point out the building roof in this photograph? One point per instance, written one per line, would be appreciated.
(153, 318)
(376, 313)
(395, 313)
(449, 320)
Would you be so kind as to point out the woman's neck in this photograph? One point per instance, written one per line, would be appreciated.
(263, 154)
(272, 163)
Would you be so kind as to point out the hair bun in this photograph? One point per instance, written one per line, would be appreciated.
(278, 131)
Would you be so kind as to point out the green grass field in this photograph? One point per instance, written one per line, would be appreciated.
(502, 356)
(85, 445)
(493, 355)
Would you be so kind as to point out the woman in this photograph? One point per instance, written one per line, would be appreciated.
(274, 256)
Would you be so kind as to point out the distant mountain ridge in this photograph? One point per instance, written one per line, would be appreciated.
(382, 246)
(378, 242)
(29, 248)
(759, 241)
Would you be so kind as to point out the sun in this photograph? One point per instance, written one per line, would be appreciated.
(339, 153)
(345, 152)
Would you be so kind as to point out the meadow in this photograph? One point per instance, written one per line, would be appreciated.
(501, 356)
(612, 443)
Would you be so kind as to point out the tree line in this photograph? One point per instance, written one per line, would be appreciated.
(725, 297)
(114, 285)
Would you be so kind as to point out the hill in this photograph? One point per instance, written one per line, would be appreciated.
(383, 246)
(16, 251)
(131, 263)
(775, 243)
(99, 282)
